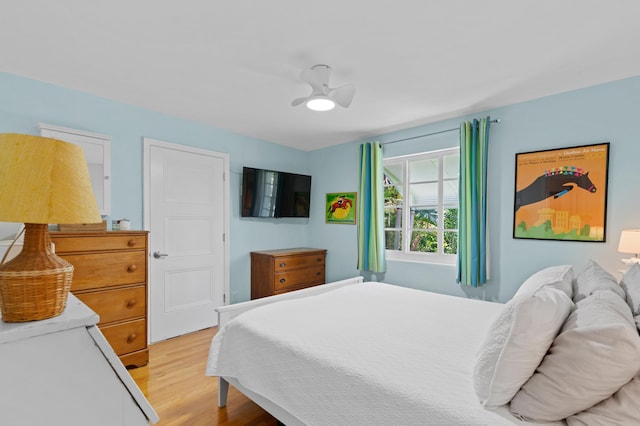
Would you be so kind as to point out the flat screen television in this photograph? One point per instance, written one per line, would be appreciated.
(270, 193)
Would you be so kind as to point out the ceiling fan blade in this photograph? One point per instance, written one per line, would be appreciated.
(299, 101)
(343, 95)
(314, 79)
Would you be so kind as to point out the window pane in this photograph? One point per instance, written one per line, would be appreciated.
(450, 192)
(393, 240)
(393, 216)
(424, 242)
(423, 170)
(450, 218)
(424, 194)
(392, 196)
(450, 242)
(423, 218)
(393, 174)
(451, 166)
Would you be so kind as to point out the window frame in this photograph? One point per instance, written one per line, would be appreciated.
(407, 227)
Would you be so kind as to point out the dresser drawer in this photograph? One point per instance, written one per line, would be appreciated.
(126, 337)
(107, 242)
(295, 277)
(117, 305)
(286, 263)
(97, 270)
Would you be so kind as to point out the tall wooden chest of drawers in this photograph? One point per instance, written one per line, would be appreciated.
(280, 271)
(110, 276)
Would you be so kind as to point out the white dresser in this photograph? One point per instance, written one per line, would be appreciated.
(62, 371)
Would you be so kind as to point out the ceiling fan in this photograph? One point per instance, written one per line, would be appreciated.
(323, 97)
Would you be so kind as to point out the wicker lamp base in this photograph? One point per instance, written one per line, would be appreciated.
(35, 284)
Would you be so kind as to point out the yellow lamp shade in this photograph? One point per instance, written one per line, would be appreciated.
(44, 180)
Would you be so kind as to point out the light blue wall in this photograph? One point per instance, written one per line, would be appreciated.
(24, 103)
(597, 114)
(601, 113)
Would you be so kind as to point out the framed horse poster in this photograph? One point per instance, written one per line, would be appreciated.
(341, 208)
(561, 194)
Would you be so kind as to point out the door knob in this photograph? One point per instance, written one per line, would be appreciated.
(158, 255)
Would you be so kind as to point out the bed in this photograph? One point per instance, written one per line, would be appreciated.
(356, 353)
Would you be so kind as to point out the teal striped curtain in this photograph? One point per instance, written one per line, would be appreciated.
(371, 210)
(472, 226)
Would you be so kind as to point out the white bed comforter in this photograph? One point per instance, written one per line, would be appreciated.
(365, 354)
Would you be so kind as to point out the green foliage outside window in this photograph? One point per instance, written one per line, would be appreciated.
(424, 236)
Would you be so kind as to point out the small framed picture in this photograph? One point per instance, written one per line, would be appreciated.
(340, 207)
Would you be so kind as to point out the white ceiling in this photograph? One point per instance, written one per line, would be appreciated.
(235, 64)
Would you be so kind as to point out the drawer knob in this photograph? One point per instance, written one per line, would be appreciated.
(282, 280)
(131, 303)
(131, 242)
(282, 265)
(318, 273)
(131, 337)
(132, 268)
(319, 259)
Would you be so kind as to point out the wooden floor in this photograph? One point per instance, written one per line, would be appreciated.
(175, 385)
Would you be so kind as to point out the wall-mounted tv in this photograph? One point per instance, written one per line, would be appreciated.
(270, 193)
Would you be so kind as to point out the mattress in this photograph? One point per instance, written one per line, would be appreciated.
(364, 354)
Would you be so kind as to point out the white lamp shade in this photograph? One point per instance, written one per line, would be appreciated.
(629, 241)
(44, 180)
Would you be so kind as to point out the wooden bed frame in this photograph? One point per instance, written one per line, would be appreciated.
(227, 313)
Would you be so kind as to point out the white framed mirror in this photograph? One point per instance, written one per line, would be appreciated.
(97, 151)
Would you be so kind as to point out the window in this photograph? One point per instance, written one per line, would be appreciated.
(421, 206)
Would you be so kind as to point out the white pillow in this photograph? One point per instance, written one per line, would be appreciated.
(516, 343)
(559, 277)
(623, 408)
(630, 283)
(595, 354)
(593, 278)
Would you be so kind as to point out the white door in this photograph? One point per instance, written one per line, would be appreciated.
(186, 212)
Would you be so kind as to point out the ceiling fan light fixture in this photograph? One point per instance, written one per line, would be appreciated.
(320, 103)
(323, 97)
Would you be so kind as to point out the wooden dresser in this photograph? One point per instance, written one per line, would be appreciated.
(110, 276)
(280, 271)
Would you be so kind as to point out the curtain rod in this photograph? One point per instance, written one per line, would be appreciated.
(497, 121)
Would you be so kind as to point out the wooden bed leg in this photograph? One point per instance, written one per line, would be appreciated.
(223, 391)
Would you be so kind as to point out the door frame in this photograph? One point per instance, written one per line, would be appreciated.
(147, 143)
